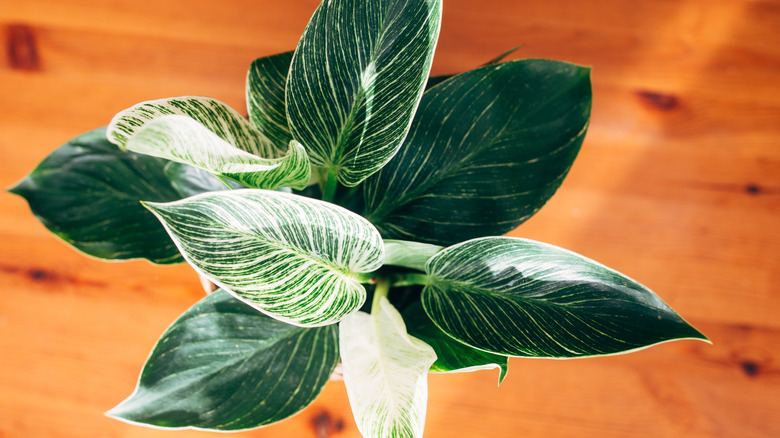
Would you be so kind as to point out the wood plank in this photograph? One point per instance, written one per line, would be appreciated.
(677, 185)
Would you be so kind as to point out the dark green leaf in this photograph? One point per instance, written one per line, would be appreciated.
(222, 365)
(518, 297)
(87, 192)
(356, 79)
(451, 355)
(190, 180)
(265, 97)
(486, 150)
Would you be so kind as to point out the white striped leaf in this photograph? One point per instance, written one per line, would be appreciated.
(216, 116)
(182, 139)
(518, 297)
(385, 373)
(293, 258)
(356, 79)
(413, 255)
(265, 97)
(452, 356)
(224, 366)
(486, 150)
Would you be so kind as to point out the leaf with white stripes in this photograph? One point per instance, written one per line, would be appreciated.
(486, 150)
(385, 373)
(265, 97)
(216, 116)
(224, 366)
(451, 356)
(518, 297)
(293, 258)
(356, 79)
(182, 139)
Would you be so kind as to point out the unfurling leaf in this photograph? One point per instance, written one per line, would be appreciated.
(385, 372)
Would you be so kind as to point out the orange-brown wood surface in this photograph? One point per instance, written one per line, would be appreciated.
(677, 185)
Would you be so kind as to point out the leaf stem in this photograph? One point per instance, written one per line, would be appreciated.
(381, 290)
(330, 185)
(410, 279)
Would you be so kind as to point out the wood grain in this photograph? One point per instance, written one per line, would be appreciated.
(677, 185)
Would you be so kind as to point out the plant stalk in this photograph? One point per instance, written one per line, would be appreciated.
(381, 290)
(331, 183)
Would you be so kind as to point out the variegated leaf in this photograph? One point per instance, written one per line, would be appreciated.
(182, 139)
(413, 255)
(518, 297)
(356, 79)
(452, 356)
(224, 366)
(216, 116)
(487, 149)
(265, 84)
(385, 373)
(291, 257)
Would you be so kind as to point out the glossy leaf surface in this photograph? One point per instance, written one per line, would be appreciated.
(451, 355)
(265, 97)
(486, 150)
(292, 257)
(356, 80)
(385, 372)
(518, 297)
(184, 140)
(87, 192)
(216, 116)
(225, 366)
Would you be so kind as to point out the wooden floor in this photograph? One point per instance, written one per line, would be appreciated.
(677, 185)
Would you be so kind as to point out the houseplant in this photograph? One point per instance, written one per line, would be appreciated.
(364, 233)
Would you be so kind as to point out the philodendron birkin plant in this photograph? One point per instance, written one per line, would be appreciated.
(354, 218)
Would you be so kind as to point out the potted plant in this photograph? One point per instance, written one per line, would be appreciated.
(354, 218)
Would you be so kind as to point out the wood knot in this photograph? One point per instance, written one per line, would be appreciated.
(751, 369)
(659, 101)
(21, 48)
(324, 425)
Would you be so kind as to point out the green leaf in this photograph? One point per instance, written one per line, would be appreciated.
(216, 116)
(293, 258)
(518, 297)
(190, 180)
(182, 139)
(224, 366)
(487, 149)
(356, 79)
(451, 355)
(385, 373)
(265, 97)
(411, 255)
(87, 191)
